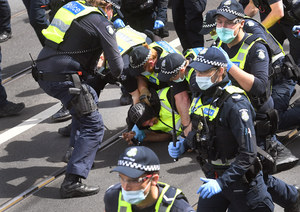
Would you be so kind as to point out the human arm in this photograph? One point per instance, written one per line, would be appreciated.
(162, 6)
(239, 116)
(182, 102)
(251, 10)
(277, 12)
(110, 46)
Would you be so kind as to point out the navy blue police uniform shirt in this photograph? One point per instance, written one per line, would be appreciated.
(257, 64)
(111, 197)
(237, 115)
(102, 36)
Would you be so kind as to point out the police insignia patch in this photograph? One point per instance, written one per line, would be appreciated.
(250, 23)
(132, 152)
(261, 54)
(227, 3)
(203, 51)
(244, 115)
(110, 30)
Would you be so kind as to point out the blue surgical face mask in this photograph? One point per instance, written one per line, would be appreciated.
(204, 82)
(135, 197)
(145, 73)
(226, 35)
(179, 79)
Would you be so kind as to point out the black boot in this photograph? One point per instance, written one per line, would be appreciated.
(65, 131)
(62, 115)
(73, 187)
(285, 159)
(296, 206)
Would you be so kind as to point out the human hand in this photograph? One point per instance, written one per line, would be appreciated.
(158, 24)
(179, 149)
(229, 63)
(210, 188)
(128, 136)
(296, 31)
(139, 134)
(119, 23)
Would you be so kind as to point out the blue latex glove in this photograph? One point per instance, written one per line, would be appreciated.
(158, 24)
(229, 63)
(210, 188)
(296, 31)
(139, 134)
(175, 152)
(118, 23)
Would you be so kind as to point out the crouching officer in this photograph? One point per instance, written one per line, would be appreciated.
(79, 33)
(139, 188)
(224, 136)
(157, 118)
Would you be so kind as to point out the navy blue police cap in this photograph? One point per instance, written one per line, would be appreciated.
(136, 161)
(209, 22)
(209, 58)
(170, 66)
(230, 9)
(138, 58)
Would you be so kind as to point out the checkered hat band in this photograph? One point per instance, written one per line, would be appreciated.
(175, 70)
(144, 62)
(209, 25)
(146, 168)
(227, 10)
(113, 4)
(209, 62)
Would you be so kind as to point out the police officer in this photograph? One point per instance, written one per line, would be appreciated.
(153, 123)
(282, 75)
(224, 136)
(279, 17)
(62, 67)
(187, 19)
(139, 189)
(144, 15)
(248, 67)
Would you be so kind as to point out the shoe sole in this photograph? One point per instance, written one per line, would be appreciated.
(64, 118)
(6, 39)
(76, 194)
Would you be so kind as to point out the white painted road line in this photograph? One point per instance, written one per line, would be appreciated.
(27, 124)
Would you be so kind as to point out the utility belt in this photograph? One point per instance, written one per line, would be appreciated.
(286, 69)
(82, 102)
(211, 170)
(266, 124)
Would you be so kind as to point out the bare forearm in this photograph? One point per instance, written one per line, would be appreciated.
(275, 15)
(182, 102)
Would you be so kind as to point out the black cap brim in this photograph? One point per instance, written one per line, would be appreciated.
(226, 15)
(201, 67)
(164, 77)
(129, 172)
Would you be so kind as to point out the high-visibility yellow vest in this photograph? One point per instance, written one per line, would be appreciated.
(128, 38)
(64, 17)
(160, 205)
(165, 122)
(209, 110)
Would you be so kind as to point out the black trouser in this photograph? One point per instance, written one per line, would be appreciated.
(188, 19)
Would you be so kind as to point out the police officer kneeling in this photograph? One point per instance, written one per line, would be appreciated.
(224, 136)
(139, 189)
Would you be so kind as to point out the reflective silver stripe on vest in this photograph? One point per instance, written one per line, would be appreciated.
(123, 209)
(242, 55)
(60, 25)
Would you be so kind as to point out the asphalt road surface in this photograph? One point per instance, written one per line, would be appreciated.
(31, 150)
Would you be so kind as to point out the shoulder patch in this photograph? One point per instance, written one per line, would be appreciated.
(250, 23)
(261, 54)
(110, 29)
(244, 114)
